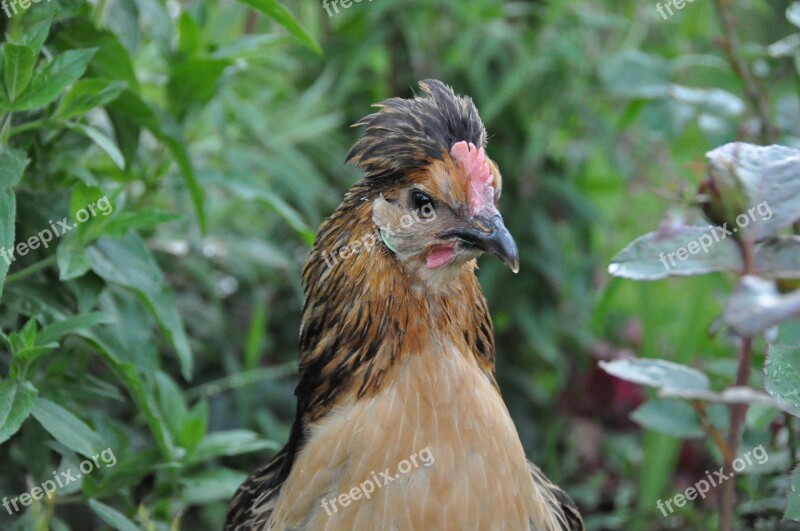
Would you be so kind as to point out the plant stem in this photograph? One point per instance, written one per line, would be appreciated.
(241, 379)
(711, 431)
(754, 93)
(33, 268)
(738, 413)
(35, 124)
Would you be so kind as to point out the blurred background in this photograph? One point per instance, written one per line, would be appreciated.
(220, 141)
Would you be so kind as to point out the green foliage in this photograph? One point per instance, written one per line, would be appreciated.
(165, 330)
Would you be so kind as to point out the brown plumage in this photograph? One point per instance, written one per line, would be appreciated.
(397, 349)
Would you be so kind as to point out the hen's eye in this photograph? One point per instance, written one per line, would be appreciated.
(421, 200)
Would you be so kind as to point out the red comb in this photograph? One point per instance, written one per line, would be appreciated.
(473, 160)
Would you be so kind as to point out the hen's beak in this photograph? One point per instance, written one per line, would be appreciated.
(491, 236)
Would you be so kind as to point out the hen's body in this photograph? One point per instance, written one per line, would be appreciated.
(396, 359)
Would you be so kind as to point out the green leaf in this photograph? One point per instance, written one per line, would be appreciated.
(713, 101)
(281, 15)
(778, 258)
(793, 497)
(194, 427)
(127, 262)
(635, 74)
(49, 82)
(230, 443)
(66, 428)
(250, 189)
(144, 219)
(661, 374)
(782, 376)
(757, 305)
(102, 141)
(19, 63)
(194, 82)
(218, 484)
(87, 94)
(128, 374)
(171, 402)
(12, 166)
(189, 37)
(758, 185)
(112, 517)
(36, 35)
(55, 331)
(256, 332)
(677, 251)
(793, 13)
(16, 401)
(71, 259)
(672, 417)
(8, 211)
(737, 394)
(163, 127)
(111, 61)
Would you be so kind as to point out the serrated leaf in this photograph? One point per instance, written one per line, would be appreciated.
(112, 517)
(679, 251)
(18, 68)
(782, 376)
(66, 428)
(49, 82)
(277, 12)
(87, 94)
(661, 374)
(16, 401)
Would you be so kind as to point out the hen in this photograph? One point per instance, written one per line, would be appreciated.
(400, 423)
